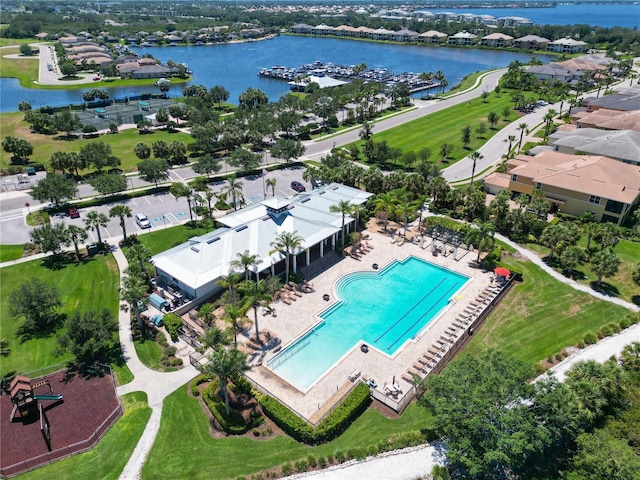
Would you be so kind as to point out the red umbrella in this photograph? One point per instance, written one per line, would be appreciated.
(501, 271)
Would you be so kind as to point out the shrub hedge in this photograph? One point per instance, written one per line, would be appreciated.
(193, 385)
(234, 423)
(172, 323)
(329, 428)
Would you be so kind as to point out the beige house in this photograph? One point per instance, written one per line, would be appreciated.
(531, 42)
(497, 40)
(462, 38)
(606, 119)
(433, 36)
(622, 145)
(575, 184)
(567, 45)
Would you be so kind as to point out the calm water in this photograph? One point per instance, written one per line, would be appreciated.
(236, 66)
(603, 14)
(382, 309)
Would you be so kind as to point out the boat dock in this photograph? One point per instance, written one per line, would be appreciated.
(348, 73)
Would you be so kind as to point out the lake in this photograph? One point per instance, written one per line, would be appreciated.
(235, 66)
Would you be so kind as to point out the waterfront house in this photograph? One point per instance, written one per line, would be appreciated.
(345, 31)
(462, 38)
(555, 72)
(576, 184)
(567, 45)
(363, 32)
(195, 266)
(433, 36)
(323, 29)
(513, 21)
(497, 40)
(302, 28)
(405, 35)
(382, 34)
(531, 42)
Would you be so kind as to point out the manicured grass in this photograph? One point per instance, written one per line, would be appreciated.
(45, 145)
(149, 353)
(91, 285)
(10, 252)
(109, 457)
(621, 284)
(23, 68)
(205, 457)
(541, 316)
(446, 127)
(467, 82)
(164, 239)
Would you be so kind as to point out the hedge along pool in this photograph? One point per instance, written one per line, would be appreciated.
(383, 309)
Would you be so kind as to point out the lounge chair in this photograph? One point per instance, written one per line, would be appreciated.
(457, 325)
(401, 241)
(393, 239)
(408, 377)
(423, 361)
(285, 299)
(354, 375)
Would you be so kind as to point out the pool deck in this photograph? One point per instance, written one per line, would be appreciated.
(292, 320)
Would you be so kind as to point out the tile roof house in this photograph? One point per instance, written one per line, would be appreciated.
(405, 35)
(606, 119)
(567, 45)
(553, 71)
(302, 28)
(614, 101)
(497, 40)
(622, 145)
(462, 38)
(531, 42)
(575, 184)
(433, 36)
(195, 266)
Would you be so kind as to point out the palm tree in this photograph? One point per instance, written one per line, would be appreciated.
(405, 210)
(132, 291)
(138, 253)
(438, 188)
(344, 208)
(552, 237)
(571, 257)
(549, 119)
(94, 220)
(235, 190)
(524, 130)
(231, 282)
(76, 235)
(384, 202)
(243, 261)
(481, 236)
(475, 156)
(255, 294)
(121, 211)
(206, 313)
(224, 363)
(233, 313)
(604, 264)
(271, 182)
(607, 235)
(286, 243)
(510, 139)
(181, 190)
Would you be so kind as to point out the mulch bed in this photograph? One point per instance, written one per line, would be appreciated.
(86, 404)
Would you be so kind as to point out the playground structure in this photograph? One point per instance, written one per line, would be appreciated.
(24, 398)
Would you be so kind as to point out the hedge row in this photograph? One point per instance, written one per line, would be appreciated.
(172, 323)
(193, 385)
(234, 423)
(331, 427)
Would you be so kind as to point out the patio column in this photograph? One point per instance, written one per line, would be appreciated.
(333, 241)
(294, 258)
(307, 252)
(273, 268)
(322, 249)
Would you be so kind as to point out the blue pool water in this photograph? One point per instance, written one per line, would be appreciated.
(382, 309)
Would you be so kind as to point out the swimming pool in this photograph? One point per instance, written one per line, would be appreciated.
(383, 309)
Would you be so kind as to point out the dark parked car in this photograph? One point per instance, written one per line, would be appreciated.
(297, 186)
(74, 213)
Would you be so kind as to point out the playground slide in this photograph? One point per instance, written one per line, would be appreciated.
(48, 397)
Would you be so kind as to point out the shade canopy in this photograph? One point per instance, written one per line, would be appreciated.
(501, 271)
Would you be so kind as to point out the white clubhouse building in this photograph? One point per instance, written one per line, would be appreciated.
(195, 266)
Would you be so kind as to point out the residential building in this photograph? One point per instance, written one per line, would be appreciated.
(531, 42)
(606, 119)
(622, 145)
(615, 101)
(462, 38)
(553, 71)
(567, 45)
(497, 40)
(433, 36)
(575, 184)
(405, 35)
(195, 266)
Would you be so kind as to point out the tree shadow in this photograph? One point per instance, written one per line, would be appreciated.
(66, 138)
(27, 332)
(606, 289)
(636, 299)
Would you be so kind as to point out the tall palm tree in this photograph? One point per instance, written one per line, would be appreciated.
(230, 283)
(549, 119)
(256, 295)
(234, 189)
(286, 243)
(206, 313)
(438, 188)
(121, 211)
(179, 190)
(214, 337)
(385, 202)
(132, 291)
(76, 235)
(604, 263)
(138, 253)
(481, 236)
(524, 129)
(243, 261)
(344, 208)
(475, 156)
(232, 313)
(510, 139)
(405, 210)
(94, 220)
(224, 363)
(271, 183)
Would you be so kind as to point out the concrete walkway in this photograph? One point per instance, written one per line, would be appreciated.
(157, 385)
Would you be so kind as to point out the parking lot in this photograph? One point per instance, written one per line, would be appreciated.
(164, 210)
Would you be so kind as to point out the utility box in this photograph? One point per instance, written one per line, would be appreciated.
(92, 249)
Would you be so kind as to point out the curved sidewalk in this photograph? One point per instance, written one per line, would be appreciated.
(157, 385)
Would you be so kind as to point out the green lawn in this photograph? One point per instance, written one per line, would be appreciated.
(10, 252)
(25, 68)
(205, 457)
(620, 285)
(108, 458)
(164, 239)
(45, 145)
(446, 126)
(541, 316)
(91, 285)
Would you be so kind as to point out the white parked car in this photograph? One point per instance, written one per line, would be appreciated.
(142, 220)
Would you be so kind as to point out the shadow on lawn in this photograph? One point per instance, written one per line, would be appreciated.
(606, 289)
